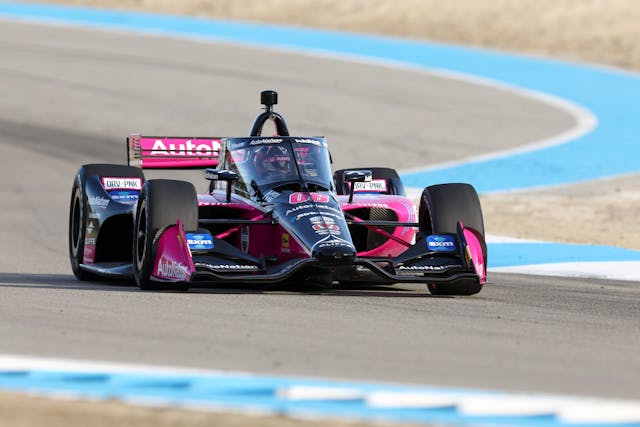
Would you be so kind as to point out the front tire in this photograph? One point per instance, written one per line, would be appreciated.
(441, 207)
(161, 203)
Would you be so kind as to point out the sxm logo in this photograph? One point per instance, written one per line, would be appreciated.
(441, 243)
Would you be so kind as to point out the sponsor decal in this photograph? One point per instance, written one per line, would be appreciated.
(89, 254)
(318, 219)
(306, 214)
(112, 183)
(217, 204)
(419, 269)
(266, 141)
(124, 196)
(92, 224)
(312, 210)
(297, 208)
(170, 269)
(98, 202)
(199, 241)
(285, 241)
(304, 197)
(271, 196)
(332, 242)
(374, 186)
(188, 148)
(333, 211)
(439, 243)
(235, 267)
(321, 226)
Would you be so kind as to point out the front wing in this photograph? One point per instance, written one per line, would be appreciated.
(432, 259)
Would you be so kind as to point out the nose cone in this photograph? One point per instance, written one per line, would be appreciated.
(334, 254)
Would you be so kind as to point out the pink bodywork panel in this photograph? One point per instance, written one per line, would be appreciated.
(173, 152)
(475, 252)
(404, 209)
(173, 262)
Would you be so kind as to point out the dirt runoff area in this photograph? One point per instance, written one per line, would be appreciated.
(20, 410)
(598, 31)
(604, 31)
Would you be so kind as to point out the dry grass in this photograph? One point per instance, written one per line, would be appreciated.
(19, 410)
(603, 212)
(604, 31)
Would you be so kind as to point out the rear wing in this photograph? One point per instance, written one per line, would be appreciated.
(173, 152)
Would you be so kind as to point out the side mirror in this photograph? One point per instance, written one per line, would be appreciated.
(356, 176)
(221, 175)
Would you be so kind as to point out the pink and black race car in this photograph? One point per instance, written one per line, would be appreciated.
(274, 213)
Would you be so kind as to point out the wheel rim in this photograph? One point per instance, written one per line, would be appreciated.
(76, 223)
(141, 235)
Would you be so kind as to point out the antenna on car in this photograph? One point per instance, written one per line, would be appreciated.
(269, 98)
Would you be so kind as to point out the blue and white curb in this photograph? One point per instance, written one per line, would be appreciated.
(300, 397)
(510, 255)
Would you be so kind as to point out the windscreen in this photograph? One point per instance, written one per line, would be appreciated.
(264, 164)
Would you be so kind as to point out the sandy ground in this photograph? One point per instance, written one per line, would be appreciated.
(602, 212)
(604, 31)
(601, 31)
(18, 410)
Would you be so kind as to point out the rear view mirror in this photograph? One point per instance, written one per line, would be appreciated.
(354, 176)
(222, 175)
(358, 176)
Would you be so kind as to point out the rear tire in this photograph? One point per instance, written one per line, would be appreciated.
(79, 210)
(394, 183)
(161, 203)
(78, 213)
(441, 207)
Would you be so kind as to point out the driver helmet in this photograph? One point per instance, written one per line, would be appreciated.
(273, 161)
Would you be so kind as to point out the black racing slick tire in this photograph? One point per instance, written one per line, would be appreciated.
(78, 213)
(394, 183)
(161, 203)
(79, 210)
(441, 207)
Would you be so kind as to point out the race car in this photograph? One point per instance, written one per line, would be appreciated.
(273, 212)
